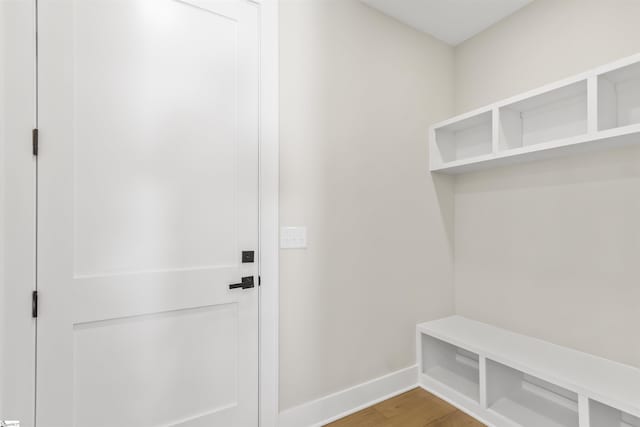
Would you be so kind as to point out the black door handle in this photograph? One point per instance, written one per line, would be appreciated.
(247, 283)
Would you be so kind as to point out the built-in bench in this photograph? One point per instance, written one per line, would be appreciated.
(506, 379)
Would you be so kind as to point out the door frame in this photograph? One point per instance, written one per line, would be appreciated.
(17, 266)
(17, 210)
(269, 213)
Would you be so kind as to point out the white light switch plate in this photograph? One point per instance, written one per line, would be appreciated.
(293, 237)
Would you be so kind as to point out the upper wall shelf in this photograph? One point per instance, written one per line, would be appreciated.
(595, 110)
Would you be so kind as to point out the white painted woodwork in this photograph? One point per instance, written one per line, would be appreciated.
(524, 381)
(619, 94)
(584, 418)
(448, 364)
(17, 211)
(595, 110)
(527, 400)
(555, 115)
(468, 138)
(322, 411)
(148, 193)
(605, 416)
(452, 21)
(268, 254)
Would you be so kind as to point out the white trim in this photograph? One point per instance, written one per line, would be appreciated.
(17, 343)
(606, 381)
(584, 415)
(593, 138)
(338, 405)
(269, 221)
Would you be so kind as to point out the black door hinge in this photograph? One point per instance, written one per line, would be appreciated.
(34, 304)
(259, 281)
(34, 142)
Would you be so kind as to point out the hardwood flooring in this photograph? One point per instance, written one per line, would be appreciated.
(416, 408)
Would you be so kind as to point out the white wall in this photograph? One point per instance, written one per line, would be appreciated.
(358, 91)
(551, 248)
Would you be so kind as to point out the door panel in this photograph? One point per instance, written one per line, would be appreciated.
(170, 364)
(147, 193)
(151, 105)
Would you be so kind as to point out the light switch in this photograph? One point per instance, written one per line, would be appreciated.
(293, 237)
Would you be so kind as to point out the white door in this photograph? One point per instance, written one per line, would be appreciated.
(147, 196)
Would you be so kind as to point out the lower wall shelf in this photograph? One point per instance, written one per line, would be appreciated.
(531, 409)
(527, 400)
(451, 366)
(506, 379)
(605, 416)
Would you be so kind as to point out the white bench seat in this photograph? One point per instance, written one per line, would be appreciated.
(523, 381)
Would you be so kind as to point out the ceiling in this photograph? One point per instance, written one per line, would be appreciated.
(452, 21)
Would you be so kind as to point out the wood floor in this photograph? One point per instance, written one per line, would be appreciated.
(416, 408)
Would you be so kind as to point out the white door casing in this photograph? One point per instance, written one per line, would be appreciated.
(147, 195)
(17, 210)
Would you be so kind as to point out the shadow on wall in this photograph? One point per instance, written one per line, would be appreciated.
(444, 189)
(575, 169)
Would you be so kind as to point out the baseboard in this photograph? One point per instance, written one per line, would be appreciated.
(338, 405)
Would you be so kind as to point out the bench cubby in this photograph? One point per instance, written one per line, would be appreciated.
(527, 400)
(506, 379)
(452, 366)
(602, 415)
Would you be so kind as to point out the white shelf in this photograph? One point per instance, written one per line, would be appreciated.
(619, 97)
(599, 109)
(451, 366)
(555, 115)
(524, 381)
(460, 381)
(529, 401)
(468, 138)
(605, 416)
